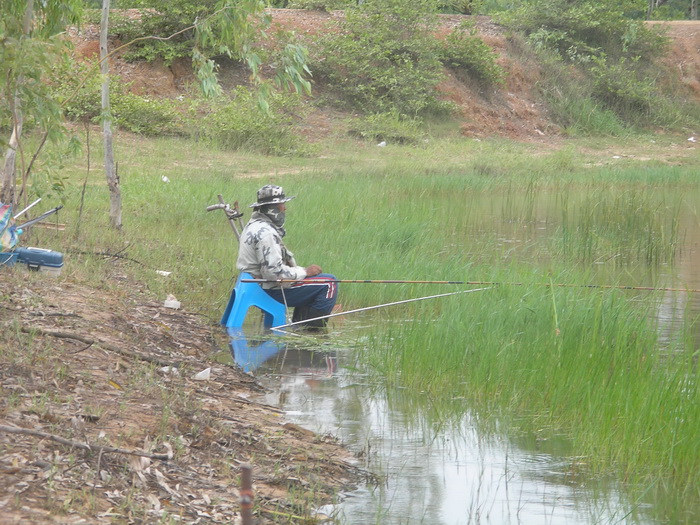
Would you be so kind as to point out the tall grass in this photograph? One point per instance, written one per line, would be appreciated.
(365, 212)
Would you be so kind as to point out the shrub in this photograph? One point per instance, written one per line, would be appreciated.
(78, 85)
(384, 58)
(464, 7)
(160, 18)
(320, 5)
(568, 93)
(389, 127)
(619, 86)
(145, 115)
(580, 30)
(464, 49)
(237, 122)
(615, 71)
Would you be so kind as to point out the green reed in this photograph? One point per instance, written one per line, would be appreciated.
(584, 363)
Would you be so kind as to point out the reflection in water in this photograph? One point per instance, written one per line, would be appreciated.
(431, 472)
(249, 354)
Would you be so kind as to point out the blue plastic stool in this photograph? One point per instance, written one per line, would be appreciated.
(245, 295)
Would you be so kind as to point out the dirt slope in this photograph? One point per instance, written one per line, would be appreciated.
(513, 111)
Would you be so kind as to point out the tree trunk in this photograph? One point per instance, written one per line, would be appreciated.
(115, 197)
(7, 195)
(693, 9)
(8, 179)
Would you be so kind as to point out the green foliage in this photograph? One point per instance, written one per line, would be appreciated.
(384, 58)
(581, 30)
(145, 115)
(463, 49)
(611, 80)
(237, 123)
(672, 10)
(319, 5)
(30, 42)
(463, 7)
(390, 127)
(160, 18)
(619, 86)
(77, 86)
(204, 30)
(568, 94)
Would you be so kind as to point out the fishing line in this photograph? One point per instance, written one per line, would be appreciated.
(379, 306)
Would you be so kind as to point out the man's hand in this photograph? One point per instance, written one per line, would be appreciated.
(312, 270)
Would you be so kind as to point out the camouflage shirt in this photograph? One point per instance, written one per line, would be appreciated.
(263, 254)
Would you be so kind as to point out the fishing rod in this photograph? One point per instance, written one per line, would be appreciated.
(25, 225)
(474, 283)
(366, 308)
(351, 281)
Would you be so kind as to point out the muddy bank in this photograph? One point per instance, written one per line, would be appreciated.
(109, 367)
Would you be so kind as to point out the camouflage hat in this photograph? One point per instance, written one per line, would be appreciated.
(270, 194)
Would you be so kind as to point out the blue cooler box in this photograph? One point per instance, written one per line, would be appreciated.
(41, 260)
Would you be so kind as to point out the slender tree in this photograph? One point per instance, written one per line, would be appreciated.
(115, 196)
(29, 44)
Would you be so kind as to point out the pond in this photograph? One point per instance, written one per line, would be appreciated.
(466, 468)
(430, 472)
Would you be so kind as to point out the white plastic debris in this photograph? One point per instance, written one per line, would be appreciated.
(165, 179)
(381, 144)
(171, 302)
(692, 139)
(163, 273)
(204, 375)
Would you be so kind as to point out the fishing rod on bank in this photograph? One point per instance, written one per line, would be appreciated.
(475, 283)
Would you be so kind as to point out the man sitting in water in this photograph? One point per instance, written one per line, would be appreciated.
(263, 254)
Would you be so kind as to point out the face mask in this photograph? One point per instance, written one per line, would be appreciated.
(276, 216)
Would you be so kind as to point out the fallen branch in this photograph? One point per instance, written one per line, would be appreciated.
(106, 346)
(83, 446)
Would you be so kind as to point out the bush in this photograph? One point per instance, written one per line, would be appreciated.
(581, 30)
(237, 122)
(78, 86)
(568, 93)
(160, 18)
(463, 49)
(464, 7)
(384, 58)
(615, 72)
(145, 115)
(320, 5)
(620, 87)
(389, 127)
